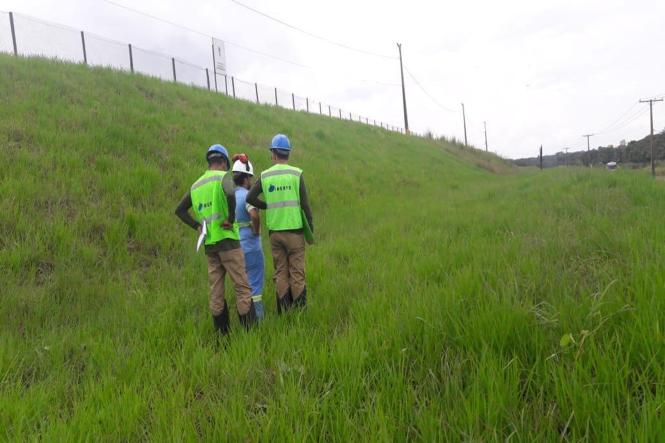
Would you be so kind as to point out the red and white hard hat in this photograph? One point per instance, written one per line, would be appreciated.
(242, 164)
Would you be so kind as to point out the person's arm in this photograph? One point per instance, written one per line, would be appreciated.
(255, 219)
(304, 203)
(229, 191)
(182, 211)
(253, 196)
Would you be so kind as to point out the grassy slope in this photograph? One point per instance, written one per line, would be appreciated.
(439, 290)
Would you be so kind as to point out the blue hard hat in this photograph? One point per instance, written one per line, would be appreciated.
(280, 141)
(217, 149)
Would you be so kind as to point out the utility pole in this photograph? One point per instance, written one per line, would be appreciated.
(541, 157)
(588, 147)
(653, 157)
(464, 119)
(401, 70)
(485, 125)
(565, 156)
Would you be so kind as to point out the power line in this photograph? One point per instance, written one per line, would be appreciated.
(636, 115)
(195, 31)
(626, 118)
(310, 34)
(431, 97)
(244, 48)
(159, 19)
(621, 117)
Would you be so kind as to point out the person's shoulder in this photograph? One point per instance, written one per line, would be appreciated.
(295, 168)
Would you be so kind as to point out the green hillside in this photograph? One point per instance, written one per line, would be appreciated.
(451, 297)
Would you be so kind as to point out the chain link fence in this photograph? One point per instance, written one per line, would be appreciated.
(22, 35)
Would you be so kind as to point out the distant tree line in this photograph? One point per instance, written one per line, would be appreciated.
(637, 153)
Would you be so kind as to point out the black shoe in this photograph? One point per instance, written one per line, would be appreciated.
(301, 301)
(221, 321)
(284, 303)
(248, 320)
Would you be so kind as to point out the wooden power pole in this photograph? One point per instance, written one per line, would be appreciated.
(653, 156)
(466, 143)
(485, 125)
(588, 147)
(401, 71)
(541, 157)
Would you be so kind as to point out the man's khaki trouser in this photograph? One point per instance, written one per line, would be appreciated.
(219, 264)
(288, 256)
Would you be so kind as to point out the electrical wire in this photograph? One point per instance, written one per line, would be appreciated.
(195, 31)
(431, 97)
(311, 34)
(245, 48)
(633, 117)
(621, 117)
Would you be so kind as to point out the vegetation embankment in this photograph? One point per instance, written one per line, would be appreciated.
(447, 301)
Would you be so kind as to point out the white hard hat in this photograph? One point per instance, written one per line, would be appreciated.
(245, 168)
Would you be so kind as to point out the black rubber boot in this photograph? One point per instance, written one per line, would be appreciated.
(284, 303)
(301, 301)
(248, 320)
(221, 321)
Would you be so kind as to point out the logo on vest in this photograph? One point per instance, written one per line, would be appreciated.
(273, 188)
(204, 205)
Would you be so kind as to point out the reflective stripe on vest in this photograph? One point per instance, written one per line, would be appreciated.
(281, 190)
(285, 204)
(273, 172)
(247, 224)
(210, 206)
(205, 181)
(213, 217)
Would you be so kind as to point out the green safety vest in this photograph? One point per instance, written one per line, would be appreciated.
(281, 189)
(209, 204)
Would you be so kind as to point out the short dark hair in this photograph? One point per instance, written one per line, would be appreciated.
(281, 154)
(217, 160)
(239, 177)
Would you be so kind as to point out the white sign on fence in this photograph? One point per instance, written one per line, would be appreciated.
(219, 54)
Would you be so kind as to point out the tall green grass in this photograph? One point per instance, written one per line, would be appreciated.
(452, 298)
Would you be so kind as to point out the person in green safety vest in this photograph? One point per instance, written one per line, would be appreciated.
(212, 200)
(285, 200)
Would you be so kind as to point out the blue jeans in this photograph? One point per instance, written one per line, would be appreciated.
(254, 265)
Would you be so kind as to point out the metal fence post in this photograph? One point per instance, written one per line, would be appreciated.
(226, 84)
(276, 103)
(131, 59)
(256, 88)
(11, 25)
(208, 78)
(85, 54)
(233, 86)
(293, 100)
(307, 103)
(173, 64)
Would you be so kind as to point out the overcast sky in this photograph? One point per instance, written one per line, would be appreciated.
(538, 71)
